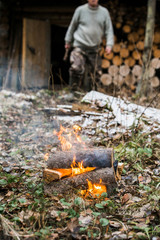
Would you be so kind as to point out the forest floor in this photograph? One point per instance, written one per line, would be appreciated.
(28, 122)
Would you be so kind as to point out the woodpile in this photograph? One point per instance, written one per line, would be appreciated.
(124, 65)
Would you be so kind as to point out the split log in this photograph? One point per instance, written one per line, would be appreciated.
(126, 29)
(130, 80)
(154, 46)
(124, 53)
(130, 61)
(133, 37)
(113, 70)
(130, 22)
(137, 70)
(116, 48)
(131, 47)
(155, 63)
(136, 55)
(151, 72)
(141, 31)
(124, 70)
(118, 25)
(50, 175)
(99, 158)
(155, 82)
(156, 53)
(140, 45)
(156, 37)
(106, 79)
(107, 176)
(108, 56)
(118, 80)
(105, 63)
(117, 60)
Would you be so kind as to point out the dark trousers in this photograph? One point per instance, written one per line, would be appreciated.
(85, 69)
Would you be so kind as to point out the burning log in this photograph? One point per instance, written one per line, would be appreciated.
(66, 184)
(99, 158)
(65, 171)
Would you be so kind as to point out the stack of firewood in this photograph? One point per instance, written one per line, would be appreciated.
(124, 64)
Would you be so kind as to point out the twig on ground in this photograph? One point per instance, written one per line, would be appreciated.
(7, 229)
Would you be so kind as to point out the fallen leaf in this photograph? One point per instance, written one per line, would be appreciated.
(117, 137)
(136, 199)
(140, 234)
(73, 224)
(9, 193)
(83, 221)
(120, 235)
(141, 212)
(54, 236)
(126, 197)
(53, 213)
(115, 224)
(140, 179)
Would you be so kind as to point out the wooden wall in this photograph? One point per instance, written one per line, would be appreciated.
(4, 40)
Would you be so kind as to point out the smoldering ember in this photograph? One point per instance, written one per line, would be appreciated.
(86, 169)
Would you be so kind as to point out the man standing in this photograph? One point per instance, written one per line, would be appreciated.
(90, 23)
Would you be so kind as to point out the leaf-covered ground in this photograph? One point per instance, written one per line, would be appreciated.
(26, 135)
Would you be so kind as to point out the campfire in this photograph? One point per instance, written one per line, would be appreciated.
(94, 189)
(76, 166)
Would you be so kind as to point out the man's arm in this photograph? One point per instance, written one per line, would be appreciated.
(109, 34)
(71, 29)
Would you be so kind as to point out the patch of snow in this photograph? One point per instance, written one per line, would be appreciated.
(23, 104)
(8, 93)
(69, 119)
(87, 122)
(64, 106)
(25, 96)
(125, 113)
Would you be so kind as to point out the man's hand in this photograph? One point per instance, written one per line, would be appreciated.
(108, 50)
(67, 45)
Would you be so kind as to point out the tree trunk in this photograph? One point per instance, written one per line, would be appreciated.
(143, 86)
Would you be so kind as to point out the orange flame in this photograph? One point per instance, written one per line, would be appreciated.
(66, 145)
(46, 156)
(66, 141)
(77, 168)
(94, 189)
(77, 129)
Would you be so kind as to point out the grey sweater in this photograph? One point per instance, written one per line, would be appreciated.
(88, 26)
